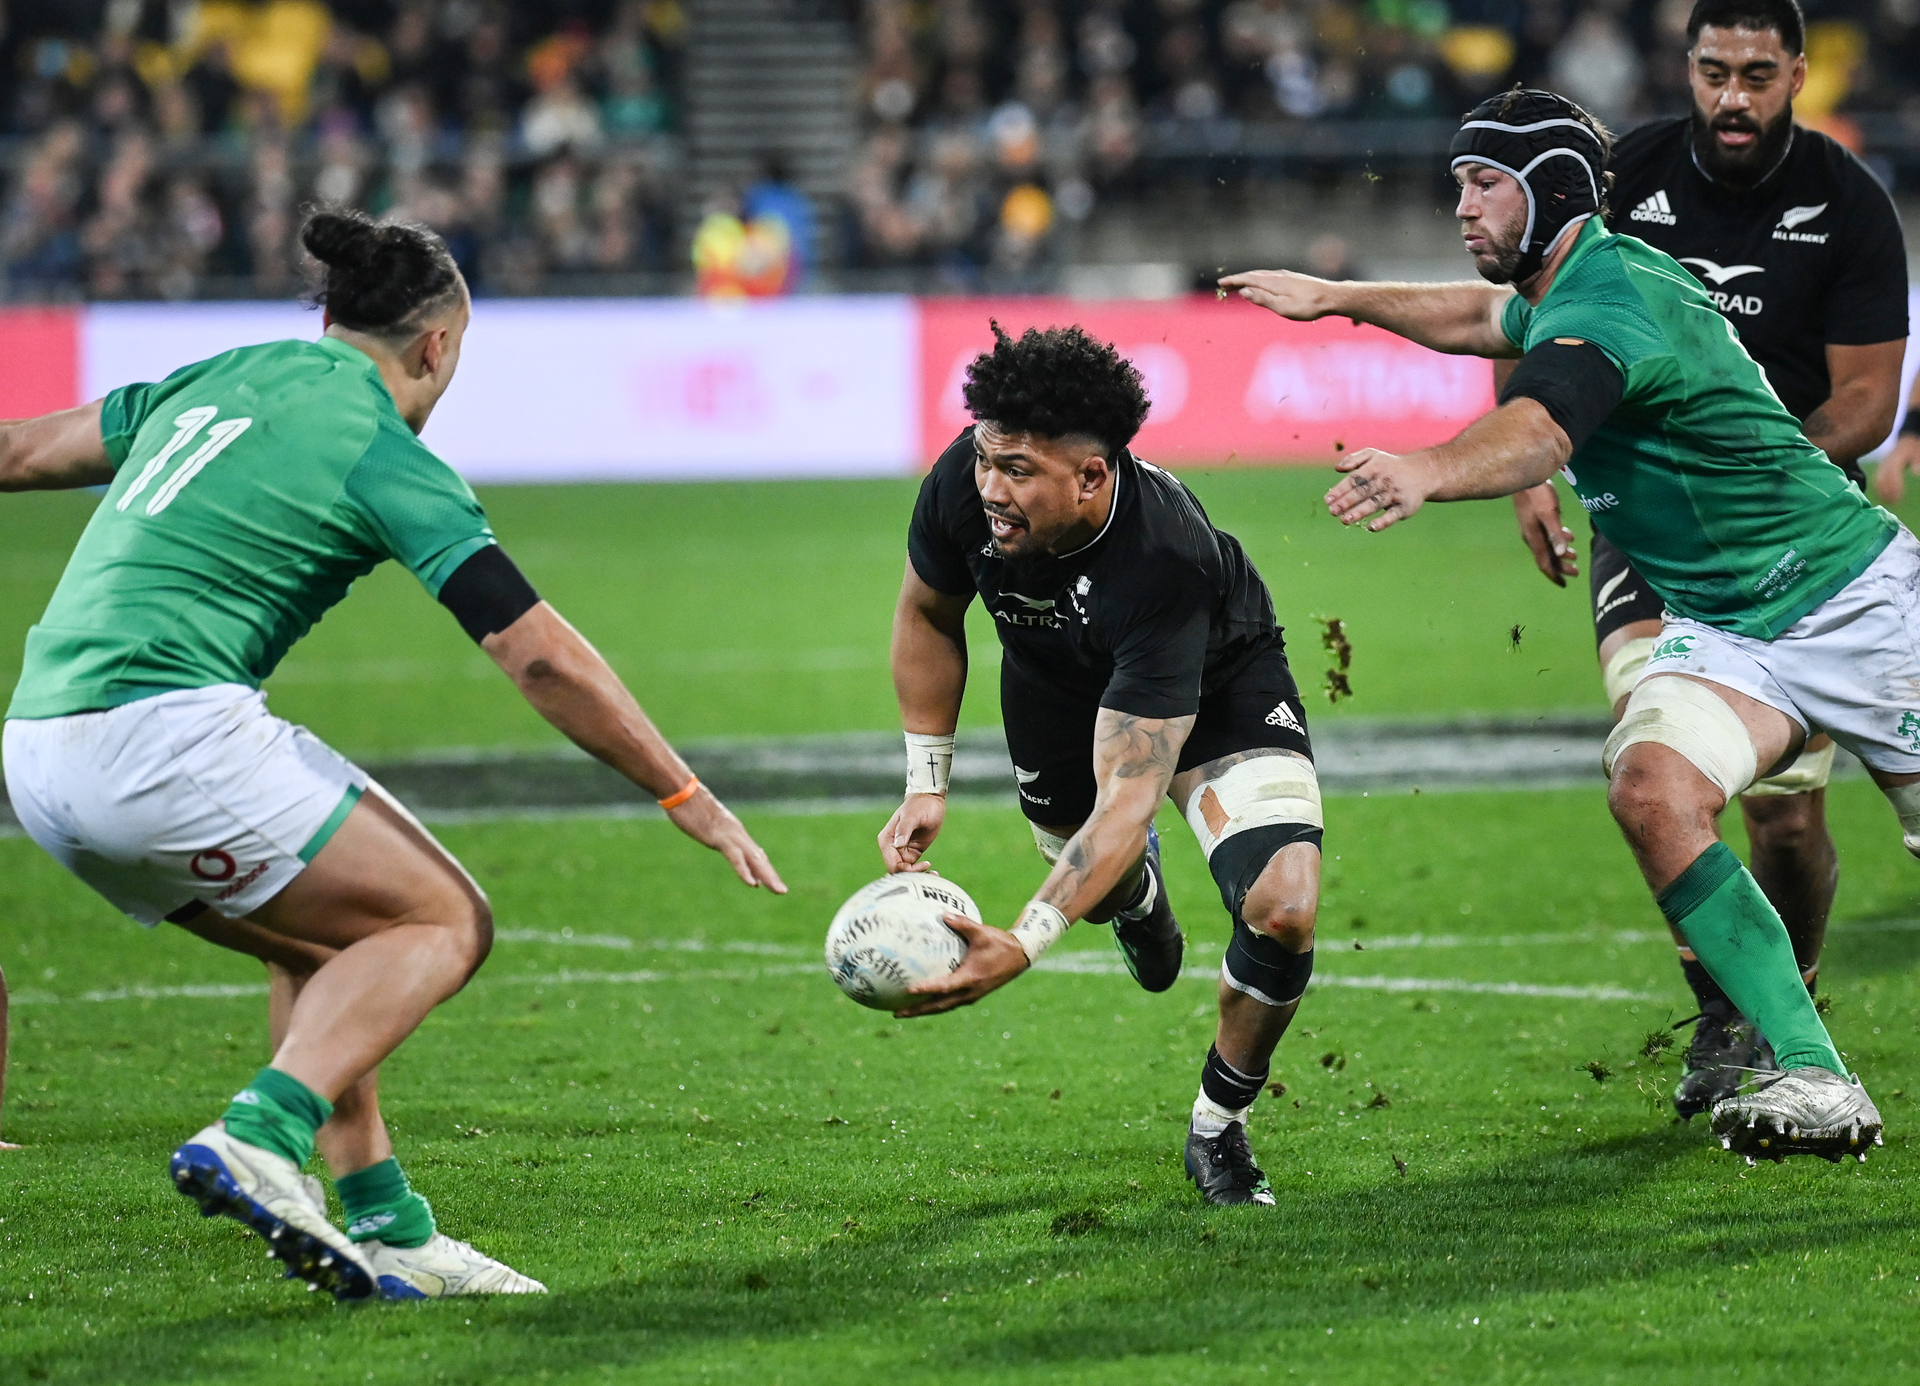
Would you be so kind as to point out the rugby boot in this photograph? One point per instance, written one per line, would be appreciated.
(442, 1267)
(1802, 1111)
(1724, 1053)
(1152, 944)
(267, 1193)
(1222, 1168)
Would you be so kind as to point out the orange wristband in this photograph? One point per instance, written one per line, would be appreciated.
(685, 792)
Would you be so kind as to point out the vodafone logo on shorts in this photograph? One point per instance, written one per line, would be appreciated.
(213, 866)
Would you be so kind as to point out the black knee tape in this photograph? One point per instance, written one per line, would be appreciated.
(1260, 967)
(1238, 861)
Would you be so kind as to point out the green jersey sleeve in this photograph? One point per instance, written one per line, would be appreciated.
(121, 414)
(1513, 320)
(415, 508)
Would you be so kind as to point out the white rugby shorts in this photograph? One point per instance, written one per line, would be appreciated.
(1850, 667)
(200, 794)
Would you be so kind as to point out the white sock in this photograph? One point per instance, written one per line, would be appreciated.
(1210, 1118)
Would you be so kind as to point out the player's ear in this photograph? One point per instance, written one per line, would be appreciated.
(1798, 79)
(433, 349)
(1094, 473)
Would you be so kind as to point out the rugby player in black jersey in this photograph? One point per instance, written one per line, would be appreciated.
(1800, 247)
(1141, 660)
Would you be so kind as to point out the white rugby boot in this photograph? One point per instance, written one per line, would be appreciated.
(442, 1267)
(1802, 1111)
(269, 1194)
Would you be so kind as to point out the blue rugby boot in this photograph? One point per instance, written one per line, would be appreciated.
(267, 1193)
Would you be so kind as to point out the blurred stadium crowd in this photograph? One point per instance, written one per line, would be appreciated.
(162, 148)
(993, 120)
(152, 146)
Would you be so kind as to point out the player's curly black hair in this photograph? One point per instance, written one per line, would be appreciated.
(1060, 383)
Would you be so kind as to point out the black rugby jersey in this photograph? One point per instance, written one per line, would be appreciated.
(1157, 608)
(1811, 256)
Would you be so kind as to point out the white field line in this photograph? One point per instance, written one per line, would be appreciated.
(1084, 963)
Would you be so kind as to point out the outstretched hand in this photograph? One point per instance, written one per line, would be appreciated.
(1383, 486)
(994, 958)
(1547, 537)
(1890, 477)
(909, 834)
(1300, 297)
(708, 821)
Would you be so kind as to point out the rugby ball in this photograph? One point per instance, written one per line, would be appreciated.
(890, 935)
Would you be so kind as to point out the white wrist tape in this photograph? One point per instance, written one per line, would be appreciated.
(929, 763)
(1039, 928)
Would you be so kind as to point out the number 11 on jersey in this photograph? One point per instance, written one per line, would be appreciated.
(186, 427)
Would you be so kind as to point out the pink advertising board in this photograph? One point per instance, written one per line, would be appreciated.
(654, 389)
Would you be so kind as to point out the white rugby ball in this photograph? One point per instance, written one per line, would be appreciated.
(890, 935)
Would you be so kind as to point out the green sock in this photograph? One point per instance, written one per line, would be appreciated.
(278, 1112)
(1741, 942)
(380, 1203)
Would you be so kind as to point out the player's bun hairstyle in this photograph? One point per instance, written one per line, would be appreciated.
(1059, 383)
(1784, 17)
(379, 278)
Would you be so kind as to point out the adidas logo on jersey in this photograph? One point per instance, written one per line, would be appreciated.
(1655, 209)
(1282, 716)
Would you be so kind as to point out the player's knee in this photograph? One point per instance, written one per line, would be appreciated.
(477, 928)
(1784, 822)
(1284, 915)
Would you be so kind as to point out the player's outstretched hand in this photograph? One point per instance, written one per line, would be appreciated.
(1298, 296)
(1890, 477)
(9, 1145)
(1538, 510)
(994, 958)
(708, 821)
(1382, 486)
(911, 831)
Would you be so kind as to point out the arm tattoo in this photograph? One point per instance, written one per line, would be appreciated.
(1141, 745)
(1128, 748)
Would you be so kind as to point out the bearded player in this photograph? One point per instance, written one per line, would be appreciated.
(244, 496)
(1800, 247)
(1789, 596)
(1141, 661)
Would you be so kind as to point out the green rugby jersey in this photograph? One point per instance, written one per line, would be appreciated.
(1700, 476)
(250, 490)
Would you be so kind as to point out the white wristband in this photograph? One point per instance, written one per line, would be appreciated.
(1039, 928)
(929, 763)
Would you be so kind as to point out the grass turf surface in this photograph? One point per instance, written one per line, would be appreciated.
(763, 609)
(726, 1172)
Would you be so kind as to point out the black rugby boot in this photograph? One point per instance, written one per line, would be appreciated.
(1152, 944)
(1725, 1052)
(1222, 1168)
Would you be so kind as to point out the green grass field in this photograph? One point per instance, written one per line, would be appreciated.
(653, 1099)
(727, 1172)
(742, 610)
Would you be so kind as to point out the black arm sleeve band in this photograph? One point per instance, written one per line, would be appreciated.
(1575, 382)
(487, 593)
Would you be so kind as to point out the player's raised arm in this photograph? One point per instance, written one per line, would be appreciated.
(55, 452)
(1559, 394)
(572, 686)
(928, 655)
(1462, 319)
